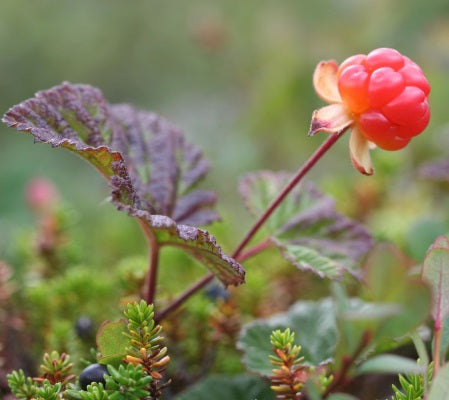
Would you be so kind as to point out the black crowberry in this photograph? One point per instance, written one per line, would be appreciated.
(93, 373)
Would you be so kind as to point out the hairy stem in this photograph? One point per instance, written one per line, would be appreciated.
(306, 167)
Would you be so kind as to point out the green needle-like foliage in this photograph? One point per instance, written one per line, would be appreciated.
(55, 374)
(145, 343)
(24, 388)
(96, 391)
(127, 383)
(288, 373)
(142, 330)
(412, 386)
(56, 368)
(48, 391)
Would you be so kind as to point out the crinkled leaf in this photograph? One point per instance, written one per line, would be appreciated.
(436, 273)
(390, 364)
(111, 342)
(164, 168)
(152, 170)
(311, 234)
(147, 152)
(237, 387)
(315, 330)
(196, 242)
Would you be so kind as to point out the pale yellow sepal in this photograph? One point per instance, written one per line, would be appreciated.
(331, 119)
(325, 81)
(359, 150)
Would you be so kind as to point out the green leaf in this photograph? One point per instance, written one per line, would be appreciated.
(393, 304)
(440, 388)
(445, 339)
(390, 364)
(388, 282)
(436, 273)
(111, 342)
(421, 234)
(341, 396)
(311, 234)
(315, 331)
(152, 170)
(229, 387)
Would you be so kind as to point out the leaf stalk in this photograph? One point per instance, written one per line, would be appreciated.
(237, 254)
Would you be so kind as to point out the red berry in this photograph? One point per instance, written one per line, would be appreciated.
(387, 95)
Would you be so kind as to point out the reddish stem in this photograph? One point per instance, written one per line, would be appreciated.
(347, 362)
(183, 297)
(252, 251)
(152, 274)
(154, 248)
(306, 167)
(206, 279)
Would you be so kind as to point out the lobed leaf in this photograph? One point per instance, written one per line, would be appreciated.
(152, 169)
(306, 227)
(164, 168)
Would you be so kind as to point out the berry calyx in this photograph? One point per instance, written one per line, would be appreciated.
(93, 373)
(387, 96)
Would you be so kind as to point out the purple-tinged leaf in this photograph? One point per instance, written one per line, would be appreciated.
(163, 166)
(435, 272)
(435, 171)
(311, 234)
(158, 169)
(152, 170)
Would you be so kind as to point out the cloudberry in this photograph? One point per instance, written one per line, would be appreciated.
(383, 96)
(387, 93)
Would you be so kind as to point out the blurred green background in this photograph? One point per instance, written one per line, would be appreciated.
(237, 77)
